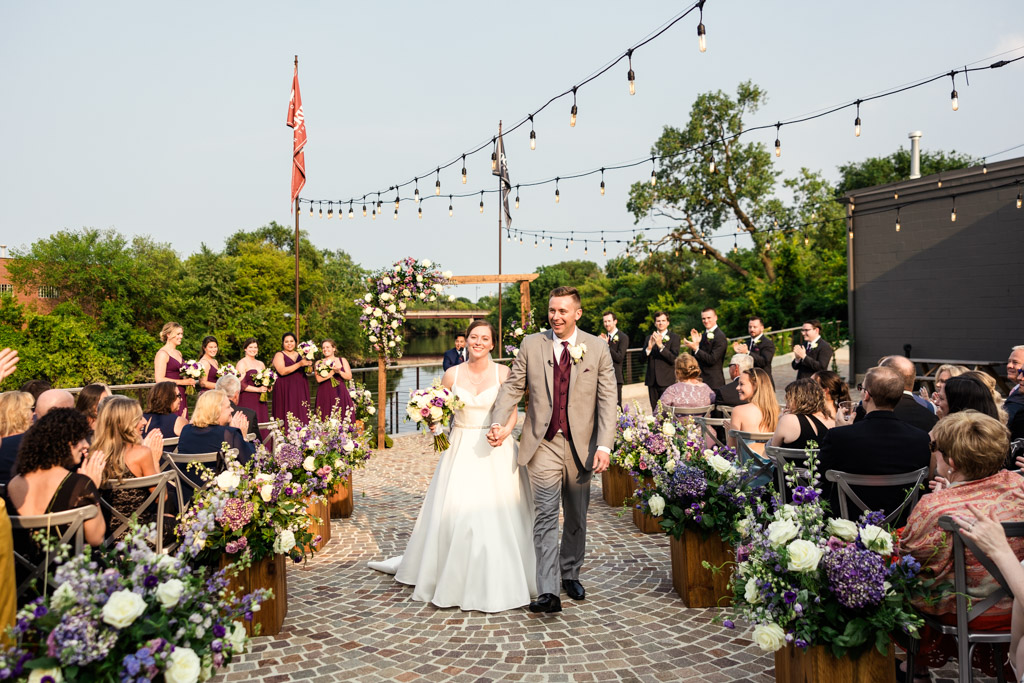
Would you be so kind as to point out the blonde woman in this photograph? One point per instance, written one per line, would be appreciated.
(15, 418)
(119, 428)
(942, 375)
(689, 391)
(213, 425)
(167, 363)
(760, 413)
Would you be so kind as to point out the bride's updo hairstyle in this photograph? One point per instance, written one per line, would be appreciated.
(481, 323)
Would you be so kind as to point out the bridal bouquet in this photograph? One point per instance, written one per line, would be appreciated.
(307, 351)
(228, 369)
(803, 579)
(431, 407)
(324, 369)
(192, 369)
(126, 613)
(264, 378)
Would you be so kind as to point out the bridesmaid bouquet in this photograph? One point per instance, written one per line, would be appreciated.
(192, 369)
(228, 369)
(324, 369)
(264, 378)
(307, 351)
(434, 406)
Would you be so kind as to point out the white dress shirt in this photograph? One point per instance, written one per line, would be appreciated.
(556, 343)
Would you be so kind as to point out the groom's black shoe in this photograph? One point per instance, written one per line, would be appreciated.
(574, 589)
(546, 602)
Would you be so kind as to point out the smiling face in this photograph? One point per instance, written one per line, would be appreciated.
(709, 319)
(809, 332)
(175, 337)
(744, 387)
(661, 323)
(609, 323)
(755, 327)
(1014, 364)
(327, 348)
(479, 342)
(288, 343)
(211, 349)
(941, 404)
(562, 315)
(251, 350)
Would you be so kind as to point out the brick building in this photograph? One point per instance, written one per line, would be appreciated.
(40, 299)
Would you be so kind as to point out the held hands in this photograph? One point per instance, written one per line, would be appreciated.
(93, 464)
(800, 352)
(240, 421)
(497, 434)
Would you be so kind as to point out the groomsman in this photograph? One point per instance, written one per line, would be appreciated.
(709, 349)
(456, 355)
(761, 348)
(618, 343)
(815, 354)
(661, 348)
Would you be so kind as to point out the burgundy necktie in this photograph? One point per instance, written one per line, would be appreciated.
(563, 363)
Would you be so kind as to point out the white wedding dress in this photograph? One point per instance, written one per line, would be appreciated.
(472, 546)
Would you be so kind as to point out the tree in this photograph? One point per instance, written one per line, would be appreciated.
(896, 167)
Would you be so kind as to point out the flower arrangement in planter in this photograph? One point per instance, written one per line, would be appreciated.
(805, 580)
(514, 334)
(366, 411)
(128, 614)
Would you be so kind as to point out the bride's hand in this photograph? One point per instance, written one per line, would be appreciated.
(435, 429)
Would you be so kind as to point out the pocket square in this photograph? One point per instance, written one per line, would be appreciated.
(586, 369)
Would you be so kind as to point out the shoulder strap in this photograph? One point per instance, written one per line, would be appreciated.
(455, 380)
(56, 492)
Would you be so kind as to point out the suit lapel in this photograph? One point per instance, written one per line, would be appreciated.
(573, 366)
(549, 368)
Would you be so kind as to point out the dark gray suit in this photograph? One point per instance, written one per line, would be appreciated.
(617, 347)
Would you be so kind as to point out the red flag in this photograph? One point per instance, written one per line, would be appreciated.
(297, 122)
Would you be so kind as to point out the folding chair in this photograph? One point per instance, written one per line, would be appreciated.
(73, 535)
(173, 441)
(159, 482)
(966, 639)
(708, 425)
(679, 411)
(185, 480)
(844, 480)
(762, 472)
(780, 456)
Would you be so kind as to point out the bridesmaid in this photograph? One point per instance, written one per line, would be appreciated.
(209, 361)
(291, 391)
(328, 397)
(250, 395)
(167, 364)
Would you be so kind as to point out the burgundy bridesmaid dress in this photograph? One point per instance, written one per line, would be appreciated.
(173, 371)
(291, 394)
(211, 376)
(328, 397)
(247, 399)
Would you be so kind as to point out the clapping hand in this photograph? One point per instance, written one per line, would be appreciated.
(739, 347)
(799, 351)
(93, 464)
(604, 336)
(154, 441)
(8, 363)
(694, 335)
(240, 421)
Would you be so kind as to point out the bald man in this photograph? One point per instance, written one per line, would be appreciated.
(53, 398)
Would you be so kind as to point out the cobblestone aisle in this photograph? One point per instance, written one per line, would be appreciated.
(347, 622)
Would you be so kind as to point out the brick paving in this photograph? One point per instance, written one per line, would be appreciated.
(347, 622)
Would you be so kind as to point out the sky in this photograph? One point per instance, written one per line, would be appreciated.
(169, 120)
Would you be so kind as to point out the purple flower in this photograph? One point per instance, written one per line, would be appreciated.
(219, 631)
(656, 444)
(289, 456)
(150, 581)
(789, 597)
(728, 624)
(855, 576)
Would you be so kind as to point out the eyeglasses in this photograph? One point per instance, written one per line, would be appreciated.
(861, 387)
(933, 446)
(807, 329)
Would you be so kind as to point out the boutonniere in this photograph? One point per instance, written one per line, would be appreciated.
(615, 338)
(814, 344)
(576, 353)
(711, 335)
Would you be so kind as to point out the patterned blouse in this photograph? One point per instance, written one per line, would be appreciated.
(688, 395)
(933, 547)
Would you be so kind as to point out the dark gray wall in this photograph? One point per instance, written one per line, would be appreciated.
(950, 289)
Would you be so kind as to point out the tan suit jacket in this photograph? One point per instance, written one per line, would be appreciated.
(593, 402)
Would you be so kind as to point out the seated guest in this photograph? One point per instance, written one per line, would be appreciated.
(942, 376)
(908, 409)
(89, 399)
(989, 382)
(837, 391)
(213, 425)
(760, 413)
(688, 391)
(804, 420)
(53, 398)
(1015, 377)
(815, 354)
(15, 418)
(880, 443)
(162, 410)
(232, 388)
(728, 394)
(119, 434)
(36, 387)
(970, 449)
(56, 472)
(966, 392)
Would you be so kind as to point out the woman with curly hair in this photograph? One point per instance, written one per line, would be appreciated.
(805, 419)
(15, 418)
(162, 412)
(56, 472)
(837, 391)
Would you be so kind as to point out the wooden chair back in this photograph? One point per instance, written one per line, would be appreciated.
(159, 482)
(73, 535)
(844, 481)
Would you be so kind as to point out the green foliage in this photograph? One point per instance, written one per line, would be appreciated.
(896, 167)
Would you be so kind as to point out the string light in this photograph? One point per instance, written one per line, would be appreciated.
(856, 123)
(420, 212)
(1019, 198)
(364, 206)
(897, 219)
(351, 212)
(321, 209)
(481, 201)
(396, 214)
(952, 213)
(517, 201)
(895, 195)
(778, 143)
(330, 210)
(567, 246)
(953, 96)
(534, 241)
(494, 156)
(654, 176)
(533, 134)
(702, 42)
(520, 238)
(735, 246)
(437, 183)
(373, 214)
(572, 112)
(508, 235)
(602, 182)
(556, 191)
(416, 194)
(380, 204)
(451, 209)
(586, 249)
(631, 76)
(397, 200)
(311, 209)
(572, 238)
(984, 165)
(463, 169)
(711, 165)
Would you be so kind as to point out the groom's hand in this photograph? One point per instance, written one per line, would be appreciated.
(497, 434)
(601, 461)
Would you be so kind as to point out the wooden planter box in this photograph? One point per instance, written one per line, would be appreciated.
(817, 665)
(646, 523)
(267, 573)
(321, 527)
(616, 486)
(697, 586)
(342, 501)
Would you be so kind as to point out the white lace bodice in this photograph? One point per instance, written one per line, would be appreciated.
(476, 414)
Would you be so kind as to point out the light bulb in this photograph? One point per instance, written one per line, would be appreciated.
(494, 161)
(396, 214)
(330, 210)
(850, 234)
(602, 188)
(897, 220)
(952, 215)
(654, 178)
(711, 166)
(351, 212)
(585, 249)
(778, 148)
(702, 41)
(956, 100)
(566, 247)
(517, 201)
(311, 209)
(534, 242)
(463, 169)
(373, 214)
(604, 251)
(1019, 198)
(420, 212)
(396, 202)
(895, 195)
(572, 116)
(481, 201)
(984, 166)
(321, 212)
(520, 238)
(416, 195)
(551, 245)
(508, 236)
(856, 127)
(533, 139)
(364, 210)
(807, 241)
(451, 209)
(437, 188)
(632, 82)
(556, 195)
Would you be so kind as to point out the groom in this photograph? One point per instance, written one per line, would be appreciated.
(569, 431)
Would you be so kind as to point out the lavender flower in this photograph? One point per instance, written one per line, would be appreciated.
(78, 640)
(289, 456)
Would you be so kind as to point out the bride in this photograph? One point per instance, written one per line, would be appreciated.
(472, 546)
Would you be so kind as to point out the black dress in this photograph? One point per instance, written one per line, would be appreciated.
(807, 432)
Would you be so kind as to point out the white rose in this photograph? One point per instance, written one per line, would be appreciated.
(398, 268)
(750, 592)
(426, 263)
(37, 675)
(670, 466)
(391, 344)
(657, 505)
(63, 597)
(123, 608)
(743, 527)
(803, 556)
(433, 297)
(877, 539)
(266, 492)
(348, 446)
(788, 511)
(438, 288)
(649, 419)
(313, 444)
(720, 464)
(228, 480)
(384, 296)
(394, 324)
(309, 464)
(392, 308)
(368, 297)
(372, 410)
(419, 278)
(406, 293)
(377, 313)
(401, 305)
(414, 413)
(339, 463)
(843, 528)
(236, 637)
(447, 275)
(627, 434)
(169, 592)
(781, 532)
(374, 322)
(183, 666)
(284, 542)
(668, 429)
(515, 353)
(769, 637)
(373, 339)
(436, 412)
(386, 280)
(518, 332)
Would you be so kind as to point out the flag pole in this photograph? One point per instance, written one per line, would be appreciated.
(296, 245)
(498, 341)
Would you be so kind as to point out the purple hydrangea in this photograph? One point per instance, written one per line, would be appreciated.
(289, 456)
(855, 576)
(78, 640)
(236, 514)
(656, 444)
(687, 483)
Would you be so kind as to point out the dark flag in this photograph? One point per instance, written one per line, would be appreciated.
(501, 170)
(297, 122)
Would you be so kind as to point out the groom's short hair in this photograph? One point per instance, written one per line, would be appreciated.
(566, 291)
